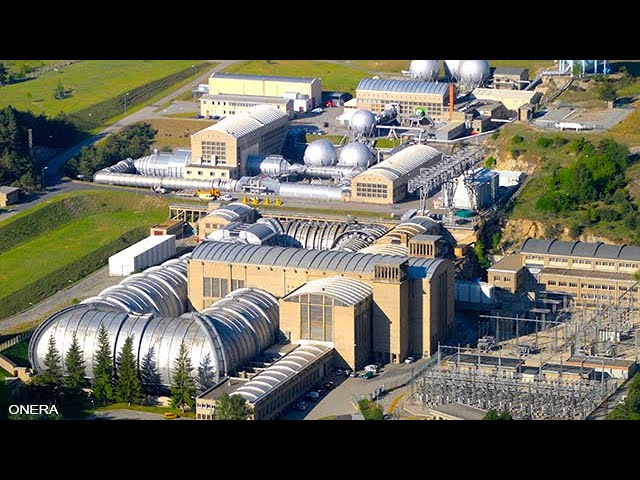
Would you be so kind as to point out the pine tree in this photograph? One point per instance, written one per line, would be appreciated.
(149, 372)
(51, 376)
(74, 365)
(205, 378)
(183, 389)
(128, 388)
(103, 368)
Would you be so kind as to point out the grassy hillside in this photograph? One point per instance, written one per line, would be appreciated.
(334, 76)
(68, 238)
(89, 82)
(175, 132)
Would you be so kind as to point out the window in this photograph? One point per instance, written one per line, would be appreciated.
(506, 279)
(562, 284)
(496, 278)
(551, 282)
(573, 284)
(236, 284)
(316, 318)
(200, 173)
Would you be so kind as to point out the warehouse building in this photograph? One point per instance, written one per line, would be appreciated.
(224, 215)
(221, 150)
(510, 78)
(266, 86)
(403, 304)
(590, 273)
(511, 99)
(386, 182)
(150, 251)
(408, 95)
(223, 105)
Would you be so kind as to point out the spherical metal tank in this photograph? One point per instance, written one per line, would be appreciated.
(355, 154)
(320, 153)
(452, 67)
(363, 121)
(473, 73)
(425, 70)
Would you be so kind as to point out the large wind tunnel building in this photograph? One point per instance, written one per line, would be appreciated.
(344, 294)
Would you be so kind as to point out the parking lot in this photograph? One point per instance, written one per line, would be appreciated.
(341, 401)
(591, 119)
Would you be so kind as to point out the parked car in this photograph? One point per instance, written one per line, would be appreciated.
(374, 368)
(321, 390)
(227, 198)
(329, 385)
(367, 375)
(312, 395)
(317, 110)
(409, 360)
(339, 372)
(199, 116)
(347, 373)
(302, 406)
(354, 374)
(169, 416)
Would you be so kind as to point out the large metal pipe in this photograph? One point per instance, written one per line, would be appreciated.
(337, 171)
(311, 192)
(170, 183)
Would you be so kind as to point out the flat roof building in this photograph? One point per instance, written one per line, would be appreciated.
(510, 78)
(223, 105)
(386, 182)
(511, 99)
(265, 86)
(221, 150)
(9, 196)
(408, 95)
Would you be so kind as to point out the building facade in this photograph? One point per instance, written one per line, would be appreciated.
(510, 78)
(223, 105)
(221, 150)
(9, 196)
(386, 182)
(407, 95)
(265, 86)
(401, 305)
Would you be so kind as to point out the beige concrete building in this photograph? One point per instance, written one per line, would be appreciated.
(511, 99)
(224, 215)
(265, 86)
(223, 105)
(510, 78)
(386, 182)
(590, 273)
(398, 306)
(408, 96)
(221, 150)
(9, 196)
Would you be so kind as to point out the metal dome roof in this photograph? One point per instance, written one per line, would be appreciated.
(346, 291)
(452, 67)
(425, 70)
(355, 154)
(473, 72)
(320, 153)
(403, 86)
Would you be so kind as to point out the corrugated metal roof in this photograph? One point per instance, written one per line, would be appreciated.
(581, 249)
(280, 372)
(289, 257)
(346, 290)
(498, 94)
(403, 86)
(264, 78)
(246, 122)
(387, 249)
(8, 189)
(142, 246)
(230, 211)
(405, 162)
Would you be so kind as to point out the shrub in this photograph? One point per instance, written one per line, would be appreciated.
(495, 135)
(490, 163)
(515, 153)
(575, 230)
(609, 214)
(544, 142)
(517, 139)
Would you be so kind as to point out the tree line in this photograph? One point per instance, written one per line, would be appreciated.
(18, 165)
(133, 141)
(629, 409)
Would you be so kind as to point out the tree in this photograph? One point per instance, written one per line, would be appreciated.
(606, 92)
(128, 388)
(103, 368)
(490, 163)
(51, 376)
(74, 365)
(495, 241)
(232, 407)
(149, 373)
(183, 389)
(205, 377)
(4, 77)
(495, 415)
(575, 230)
(479, 251)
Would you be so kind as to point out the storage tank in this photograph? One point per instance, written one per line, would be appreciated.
(151, 251)
(320, 153)
(363, 122)
(425, 70)
(355, 154)
(473, 73)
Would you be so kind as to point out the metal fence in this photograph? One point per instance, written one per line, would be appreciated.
(15, 340)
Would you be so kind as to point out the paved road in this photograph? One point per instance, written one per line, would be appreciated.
(53, 172)
(124, 414)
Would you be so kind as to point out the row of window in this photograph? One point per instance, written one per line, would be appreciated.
(219, 287)
(316, 322)
(565, 261)
(497, 278)
(591, 286)
(371, 190)
(211, 174)
(214, 150)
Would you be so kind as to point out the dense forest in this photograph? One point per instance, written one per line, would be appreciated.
(132, 141)
(18, 166)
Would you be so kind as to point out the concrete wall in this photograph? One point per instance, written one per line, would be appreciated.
(265, 88)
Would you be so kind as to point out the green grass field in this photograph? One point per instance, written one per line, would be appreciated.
(334, 77)
(534, 66)
(62, 244)
(91, 81)
(19, 353)
(15, 67)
